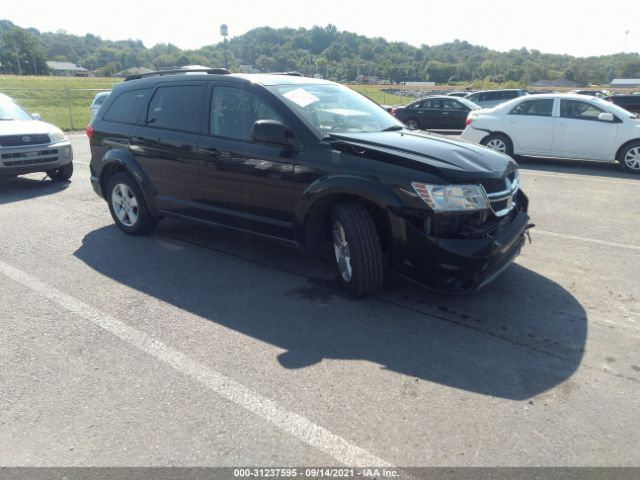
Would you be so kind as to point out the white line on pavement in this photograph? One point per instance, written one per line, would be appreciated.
(579, 177)
(586, 239)
(289, 422)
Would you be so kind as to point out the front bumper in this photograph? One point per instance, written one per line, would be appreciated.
(34, 158)
(458, 265)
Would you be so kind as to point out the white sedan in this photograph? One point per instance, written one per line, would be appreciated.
(559, 126)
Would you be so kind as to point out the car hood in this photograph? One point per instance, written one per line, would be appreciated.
(25, 127)
(436, 154)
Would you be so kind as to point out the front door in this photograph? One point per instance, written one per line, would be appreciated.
(245, 184)
(580, 134)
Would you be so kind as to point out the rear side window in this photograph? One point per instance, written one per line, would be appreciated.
(536, 108)
(176, 107)
(126, 108)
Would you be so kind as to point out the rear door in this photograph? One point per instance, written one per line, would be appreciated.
(166, 145)
(454, 114)
(531, 126)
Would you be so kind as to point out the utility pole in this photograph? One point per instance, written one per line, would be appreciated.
(15, 49)
(224, 31)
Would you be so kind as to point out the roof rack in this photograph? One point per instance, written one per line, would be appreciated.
(210, 71)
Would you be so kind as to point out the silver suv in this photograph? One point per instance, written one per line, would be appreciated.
(29, 145)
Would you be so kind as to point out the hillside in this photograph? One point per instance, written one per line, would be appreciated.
(338, 55)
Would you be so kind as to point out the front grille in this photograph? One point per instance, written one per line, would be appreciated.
(501, 192)
(17, 159)
(22, 140)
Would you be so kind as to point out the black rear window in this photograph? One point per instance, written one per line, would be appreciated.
(126, 107)
(176, 108)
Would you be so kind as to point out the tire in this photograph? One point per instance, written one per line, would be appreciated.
(412, 124)
(61, 174)
(356, 249)
(499, 142)
(629, 158)
(128, 206)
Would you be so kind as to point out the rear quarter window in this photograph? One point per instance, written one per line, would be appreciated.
(127, 106)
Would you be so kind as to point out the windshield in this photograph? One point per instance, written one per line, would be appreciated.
(9, 110)
(332, 108)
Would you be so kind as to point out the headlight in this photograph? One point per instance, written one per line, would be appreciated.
(56, 135)
(452, 198)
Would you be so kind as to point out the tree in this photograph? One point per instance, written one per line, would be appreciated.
(22, 54)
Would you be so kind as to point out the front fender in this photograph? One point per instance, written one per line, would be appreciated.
(320, 196)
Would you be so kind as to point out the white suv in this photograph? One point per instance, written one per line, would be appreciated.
(29, 145)
(559, 126)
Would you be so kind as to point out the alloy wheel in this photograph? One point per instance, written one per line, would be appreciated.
(125, 204)
(342, 252)
(632, 158)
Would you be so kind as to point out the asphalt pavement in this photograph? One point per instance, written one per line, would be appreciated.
(203, 347)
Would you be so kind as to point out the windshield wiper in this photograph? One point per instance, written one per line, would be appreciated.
(392, 128)
(6, 118)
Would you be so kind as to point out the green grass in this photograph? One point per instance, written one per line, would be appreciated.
(62, 101)
(375, 93)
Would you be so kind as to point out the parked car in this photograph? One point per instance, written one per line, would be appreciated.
(97, 102)
(560, 126)
(314, 164)
(29, 145)
(628, 102)
(437, 112)
(491, 98)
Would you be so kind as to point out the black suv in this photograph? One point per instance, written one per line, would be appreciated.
(313, 163)
(628, 102)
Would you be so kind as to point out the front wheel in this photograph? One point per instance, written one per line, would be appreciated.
(356, 248)
(128, 206)
(61, 174)
(499, 142)
(630, 158)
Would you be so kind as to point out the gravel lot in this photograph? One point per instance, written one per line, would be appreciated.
(204, 347)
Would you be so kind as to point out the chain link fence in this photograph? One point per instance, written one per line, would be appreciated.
(67, 108)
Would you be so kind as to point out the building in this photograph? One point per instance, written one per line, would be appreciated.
(625, 83)
(67, 69)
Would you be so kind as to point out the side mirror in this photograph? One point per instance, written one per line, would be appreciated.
(272, 132)
(36, 116)
(606, 117)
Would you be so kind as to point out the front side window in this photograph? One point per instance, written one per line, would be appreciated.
(536, 108)
(126, 107)
(579, 110)
(176, 108)
(234, 111)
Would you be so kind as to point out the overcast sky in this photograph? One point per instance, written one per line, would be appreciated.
(573, 27)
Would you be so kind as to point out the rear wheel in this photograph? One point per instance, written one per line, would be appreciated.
(412, 124)
(356, 248)
(128, 206)
(630, 158)
(499, 142)
(61, 174)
